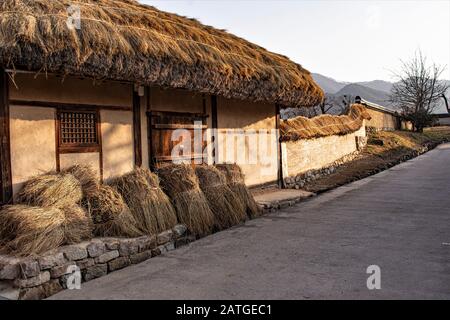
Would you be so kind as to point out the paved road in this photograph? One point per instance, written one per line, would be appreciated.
(319, 249)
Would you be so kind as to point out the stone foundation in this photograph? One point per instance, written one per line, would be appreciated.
(39, 277)
(298, 181)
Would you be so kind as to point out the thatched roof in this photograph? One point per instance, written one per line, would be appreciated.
(127, 41)
(324, 125)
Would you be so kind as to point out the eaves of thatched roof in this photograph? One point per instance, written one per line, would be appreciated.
(127, 41)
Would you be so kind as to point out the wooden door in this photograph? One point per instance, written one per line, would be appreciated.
(161, 136)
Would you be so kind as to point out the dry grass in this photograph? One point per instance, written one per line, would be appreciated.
(181, 184)
(125, 40)
(77, 225)
(227, 207)
(324, 125)
(87, 176)
(150, 207)
(26, 230)
(110, 214)
(59, 190)
(235, 181)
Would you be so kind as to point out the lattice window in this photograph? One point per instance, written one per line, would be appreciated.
(78, 129)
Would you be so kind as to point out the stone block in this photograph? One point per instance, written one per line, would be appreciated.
(33, 282)
(51, 260)
(128, 247)
(41, 292)
(85, 263)
(75, 252)
(140, 257)
(96, 248)
(59, 271)
(146, 243)
(107, 256)
(9, 268)
(96, 271)
(118, 263)
(29, 268)
(179, 230)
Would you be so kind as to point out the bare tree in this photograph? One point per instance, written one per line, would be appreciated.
(418, 90)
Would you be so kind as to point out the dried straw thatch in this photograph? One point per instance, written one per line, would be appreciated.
(110, 214)
(324, 125)
(87, 176)
(77, 225)
(149, 205)
(127, 41)
(181, 185)
(59, 190)
(227, 208)
(26, 230)
(235, 181)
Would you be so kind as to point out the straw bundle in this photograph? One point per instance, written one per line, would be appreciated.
(77, 225)
(149, 205)
(235, 181)
(182, 186)
(227, 208)
(324, 125)
(26, 230)
(47, 190)
(86, 176)
(110, 214)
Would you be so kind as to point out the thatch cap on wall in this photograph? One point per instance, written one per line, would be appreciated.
(127, 41)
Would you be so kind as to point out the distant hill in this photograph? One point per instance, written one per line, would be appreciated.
(329, 85)
(376, 91)
(380, 85)
(369, 94)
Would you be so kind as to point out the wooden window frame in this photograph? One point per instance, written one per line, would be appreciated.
(78, 147)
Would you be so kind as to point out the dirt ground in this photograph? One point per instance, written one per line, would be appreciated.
(384, 150)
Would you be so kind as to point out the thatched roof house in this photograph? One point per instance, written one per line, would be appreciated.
(110, 91)
(125, 40)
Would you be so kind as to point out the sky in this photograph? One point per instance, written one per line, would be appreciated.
(346, 40)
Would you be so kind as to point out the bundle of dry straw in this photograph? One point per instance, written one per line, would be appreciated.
(227, 207)
(87, 177)
(48, 190)
(181, 184)
(235, 181)
(324, 125)
(149, 205)
(110, 214)
(26, 230)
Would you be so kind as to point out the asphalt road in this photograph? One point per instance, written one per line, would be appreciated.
(398, 220)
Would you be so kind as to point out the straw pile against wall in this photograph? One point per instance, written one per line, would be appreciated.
(87, 177)
(235, 180)
(149, 205)
(324, 125)
(47, 190)
(227, 208)
(110, 214)
(181, 184)
(127, 41)
(26, 230)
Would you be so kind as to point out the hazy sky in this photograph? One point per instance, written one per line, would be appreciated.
(346, 40)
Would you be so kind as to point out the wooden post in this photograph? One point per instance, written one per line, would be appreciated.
(214, 136)
(279, 149)
(5, 149)
(137, 129)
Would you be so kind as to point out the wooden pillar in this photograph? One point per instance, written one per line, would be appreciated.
(214, 136)
(5, 149)
(137, 129)
(279, 149)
